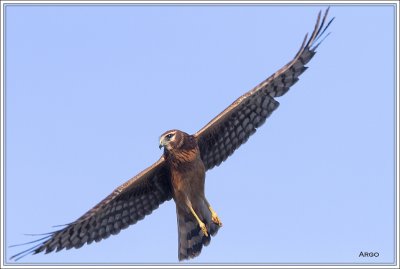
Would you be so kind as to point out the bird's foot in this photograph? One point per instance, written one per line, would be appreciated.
(203, 228)
(215, 219)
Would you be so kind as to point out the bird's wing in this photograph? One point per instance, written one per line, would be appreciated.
(126, 205)
(232, 127)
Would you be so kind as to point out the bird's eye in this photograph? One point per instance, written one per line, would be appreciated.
(169, 136)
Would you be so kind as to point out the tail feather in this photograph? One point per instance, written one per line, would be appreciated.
(190, 237)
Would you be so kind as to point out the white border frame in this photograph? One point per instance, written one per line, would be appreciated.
(73, 2)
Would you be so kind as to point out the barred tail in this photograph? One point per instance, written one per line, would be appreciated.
(190, 237)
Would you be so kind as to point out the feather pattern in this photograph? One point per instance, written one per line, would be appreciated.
(125, 206)
(190, 237)
(232, 127)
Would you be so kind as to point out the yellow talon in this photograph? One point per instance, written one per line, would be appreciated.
(201, 224)
(214, 217)
(203, 228)
(216, 220)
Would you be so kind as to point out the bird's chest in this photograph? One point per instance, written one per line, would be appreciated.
(188, 177)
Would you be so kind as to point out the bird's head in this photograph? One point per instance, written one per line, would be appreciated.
(172, 139)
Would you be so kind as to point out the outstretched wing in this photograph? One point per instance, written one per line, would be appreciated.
(126, 205)
(232, 127)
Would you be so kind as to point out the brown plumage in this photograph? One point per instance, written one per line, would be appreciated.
(180, 172)
(187, 171)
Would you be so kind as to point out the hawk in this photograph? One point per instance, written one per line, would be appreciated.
(180, 171)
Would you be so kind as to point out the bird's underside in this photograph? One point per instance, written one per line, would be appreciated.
(197, 221)
(180, 172)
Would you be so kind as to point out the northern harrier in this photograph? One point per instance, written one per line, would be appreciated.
(180, 172)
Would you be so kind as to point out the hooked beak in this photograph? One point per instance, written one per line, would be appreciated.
(162, 143)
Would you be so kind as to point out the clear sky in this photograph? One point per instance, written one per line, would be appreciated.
(90, 88)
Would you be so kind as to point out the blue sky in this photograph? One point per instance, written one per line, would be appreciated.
(89, 89)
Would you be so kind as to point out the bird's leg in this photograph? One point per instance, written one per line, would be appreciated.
(214, 216)
(201, 224)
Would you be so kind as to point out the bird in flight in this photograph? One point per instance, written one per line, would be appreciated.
(180, 171)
